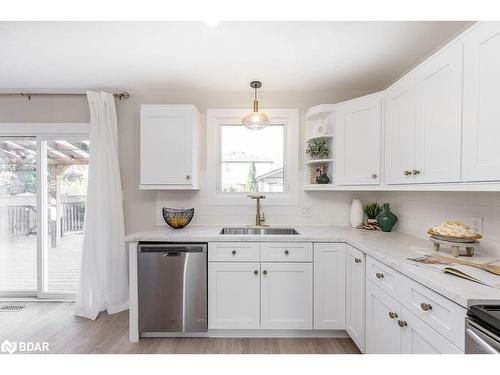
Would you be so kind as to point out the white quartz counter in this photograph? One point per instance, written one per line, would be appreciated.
(393, 249)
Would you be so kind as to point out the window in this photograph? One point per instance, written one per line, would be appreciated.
(243, 161)
(43, 187)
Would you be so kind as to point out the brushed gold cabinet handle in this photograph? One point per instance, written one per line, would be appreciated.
(357, 260)
(287, 252)
(426, 306)
(392, 315)
(415, 172)
(233, 252)
(402, 323)
(407, 173)
(379, 275)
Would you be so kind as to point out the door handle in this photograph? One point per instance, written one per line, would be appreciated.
(176, 254)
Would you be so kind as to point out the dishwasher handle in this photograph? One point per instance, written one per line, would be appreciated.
(172, 254)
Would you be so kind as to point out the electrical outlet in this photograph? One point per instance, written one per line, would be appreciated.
(306, 211)
(476, 223)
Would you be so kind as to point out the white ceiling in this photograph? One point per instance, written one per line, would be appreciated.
(296, 56)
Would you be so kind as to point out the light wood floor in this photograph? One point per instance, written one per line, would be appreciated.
(54, 322)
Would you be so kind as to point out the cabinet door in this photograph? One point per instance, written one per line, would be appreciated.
(286, 296)
(166, 145)
(481, 110)
(383, 335)
(355, 296)
(439, 117)
(358, 125)
(400, 131)
(233, 295)
(329, 286)
(419, 338)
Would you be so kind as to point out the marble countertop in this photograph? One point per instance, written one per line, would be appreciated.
(392, 249)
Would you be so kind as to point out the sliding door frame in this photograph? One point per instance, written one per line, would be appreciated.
(43, 132)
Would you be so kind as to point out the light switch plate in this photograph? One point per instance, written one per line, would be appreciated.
(476, 223)
(306, 211)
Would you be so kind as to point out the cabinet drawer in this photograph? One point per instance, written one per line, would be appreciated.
(445, 316)
(233, 251)
(286, 252)
(384, 277)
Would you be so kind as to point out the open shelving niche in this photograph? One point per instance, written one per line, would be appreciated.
(323, 114)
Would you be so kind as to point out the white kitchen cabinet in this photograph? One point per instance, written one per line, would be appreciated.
(357, 142)
(233, 295)
(423, 121)
(419, 338)
(286, 295)
(169, 145)
(438, 132)
(400, 131)
(481, 109)
(329, 285)
(355, 296)
(383, 335)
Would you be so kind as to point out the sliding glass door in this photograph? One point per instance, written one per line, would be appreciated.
(43, 188)
(18, 216)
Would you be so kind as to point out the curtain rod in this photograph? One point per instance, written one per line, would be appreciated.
(119, 95)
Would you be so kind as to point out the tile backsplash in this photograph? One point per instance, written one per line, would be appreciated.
(418, 211)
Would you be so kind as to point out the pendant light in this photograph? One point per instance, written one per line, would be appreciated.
(255, 120)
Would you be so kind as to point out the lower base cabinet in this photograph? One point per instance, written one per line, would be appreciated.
(355, 296)
(286, 296)
(392, 329)
(233, 295)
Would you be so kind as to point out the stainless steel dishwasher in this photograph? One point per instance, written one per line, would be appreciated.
(172, 287)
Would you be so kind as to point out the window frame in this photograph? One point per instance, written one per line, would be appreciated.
(289, 118)
(43, 132)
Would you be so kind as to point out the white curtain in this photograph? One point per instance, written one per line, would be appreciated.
(104, 277)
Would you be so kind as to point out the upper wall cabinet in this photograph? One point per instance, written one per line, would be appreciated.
(424, 121)
(169, 147)
(481, 110)
(400, 131)
(439, 117)
(358, 125)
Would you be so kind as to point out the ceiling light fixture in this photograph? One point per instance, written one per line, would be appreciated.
(255, 120)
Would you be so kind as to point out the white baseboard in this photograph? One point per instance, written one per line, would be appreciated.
(258, 333)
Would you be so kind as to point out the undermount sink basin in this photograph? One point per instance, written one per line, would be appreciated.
(259, 231)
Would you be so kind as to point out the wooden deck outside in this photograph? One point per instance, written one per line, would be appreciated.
(18, 264)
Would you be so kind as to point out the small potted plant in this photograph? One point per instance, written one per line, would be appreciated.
(318, 149)
(371, 210)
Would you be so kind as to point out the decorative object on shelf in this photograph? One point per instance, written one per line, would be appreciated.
(255, 120)
(177, 218)
(318, 149)
(318, 174)
(319, 130)
(356, 213)
(386, 219)
(369, 227)
(371, 211)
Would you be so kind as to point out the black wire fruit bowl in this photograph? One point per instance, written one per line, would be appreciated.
(176, 217)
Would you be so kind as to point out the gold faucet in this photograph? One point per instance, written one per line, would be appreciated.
(259, 219)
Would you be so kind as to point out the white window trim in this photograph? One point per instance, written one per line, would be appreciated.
(42, 132)
(220, 116)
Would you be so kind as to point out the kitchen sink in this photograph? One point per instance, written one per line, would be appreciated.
(259, 231)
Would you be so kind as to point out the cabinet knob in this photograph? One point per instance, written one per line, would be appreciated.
(426, 306)
(255, 272)
(392, 315)
(402, 323)
(188, 177)
(407, 173)
(374, 176)
(287, 252)
(357, 260)
(415, 172)
(264, 272)
(233, 252)
(379, 275)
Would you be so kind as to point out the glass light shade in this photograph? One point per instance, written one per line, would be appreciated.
(256, 120)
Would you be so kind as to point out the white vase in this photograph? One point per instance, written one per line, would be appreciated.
(356, 214)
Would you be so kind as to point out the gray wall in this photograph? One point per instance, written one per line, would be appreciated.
(141, 206)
